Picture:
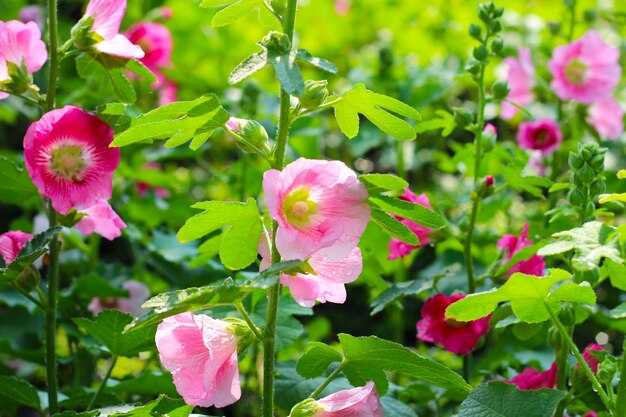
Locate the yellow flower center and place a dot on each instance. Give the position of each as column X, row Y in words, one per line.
column 298, row 207
column 69, row 161
column 576, row 71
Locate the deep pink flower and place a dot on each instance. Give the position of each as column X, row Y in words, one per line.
column 531, row 379
column 143, row 187
column 521, row 79
column 490, row 181
column 456, row 337
column 319, row 206
column 586, row 69
column 606, row 115
column 11, row 243
column 591, row 360
column 201, row 354
column 400, row 249
column 138, row 293
column 108, row 15
column 101, row 219
column 511, row 244
column 156, row 42
column 68, row 157
column 20, row 44
column 356, row 402
column 543, row 135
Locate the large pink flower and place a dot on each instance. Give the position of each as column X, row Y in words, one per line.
column 108, row 15
column 521, row 78
column 68, row 157
column 511, row 244
column 201, row 354
column 400, row 249
column 606, row 115
column 543, row 135
column 591, row 360
column 586, row 69
column 356, row 402
column 11, row 243
column 138, row 293
column 156, row 41
column 457, row 337
column 319, row 206
column 531, row 379
column 101, row 219
column 20, row 44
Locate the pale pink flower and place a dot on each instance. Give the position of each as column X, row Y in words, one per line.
column 511, row 244
column 319, row 206
column 108, row 15
column 68, row 157
column 356, row 402
column 606, row 115
column 11, row 243
column 138, row 293
column 201, row 354
column 586, row 69
column 101, row 219
column 521, row 80
column 400, row 249
column 490, row 129
column 342, row 7
column 143, row 187
column 531, row 379
column 542, row 135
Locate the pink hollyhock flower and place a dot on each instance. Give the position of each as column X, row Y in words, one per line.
column 101, row 219
column 168, row 93
column 107, row 17
column 591, row 360
column 21, row 45
column 512, row 244
column 201, row 354
column 586, row 69
column 531, row 379
column 68, row 157
column 142, row 187
column 400, row 249
column 606, row 115
column 138, row 294
column 320, row 207
column 543, row 135
column 521, row 78
column 11, row 243
column 489, row 128
column 31, row 14
column 156, row 42
column 356, row 402
column 456, row 337
column 167, row 12
column 342, row 7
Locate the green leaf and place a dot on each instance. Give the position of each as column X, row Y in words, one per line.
column 317, row 359
column 305, row 56
column 107, row 328
column 445, row 121
column 377, row 108
column 179, row 122
column 161, row 407
column 498, row 399
column 366, row 359
column 379, row 183
column 287, row 71
column 33, row 249
column 16, row 186
column 237, row 9
column 19, row 391
column 617, row 274
column 531, row 184
column 113, row 69
column 407, row 210
column 137, row 68
column 249, row 66
column 618, row 312
column 527, row 294
column 397, row 291
column 521, row 255
column 242, row 229
column 591, row 243
column 94, row 413
column 148, row 383
column 394, row 227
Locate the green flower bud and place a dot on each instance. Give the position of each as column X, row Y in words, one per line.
column 279, row 6
column 587, row 152
column 483, row 13
column 240, row 329
column 481, row 53
column 497, row 46
column 597, row 163
column 28, row 279
column 495, row 26
column 498, row 12
column 591, row 207
column 586, row 174
column 607, row 370
column 555, row 28
column 315, row 92
column 462, row 116
column 575, row 161
column 555, row 339
column 20, row 79
column 475, row 31
column 597, row 187
column 305, row 408
column 500, row 90
column 577, row 179
column 576, row 197
column 277, row 42
column 472, row 66
column 251, row 133
column 568, row 315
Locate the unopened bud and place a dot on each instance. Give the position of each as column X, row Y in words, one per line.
column 305, row 408
column 475, row 31
column 315, row 92
column 277, row 42
column 490, row 181
column 462, row 116
column 240, row 329
column 252, row 136
column 497, row 46
column 472, row 66
column 28, row 279
column 500, row 90
column 481, row 53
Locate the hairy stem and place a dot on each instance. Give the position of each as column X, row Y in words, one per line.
column 51, row 316
column 53, row 59
column 244, row 314
column 562, row 372
column 103, row 383
column 621, row 387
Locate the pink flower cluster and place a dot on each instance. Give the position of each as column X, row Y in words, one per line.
column 511, row 244
column 400, row 249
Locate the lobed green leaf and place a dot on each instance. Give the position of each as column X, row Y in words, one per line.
column 411, row 211
column 19, row 391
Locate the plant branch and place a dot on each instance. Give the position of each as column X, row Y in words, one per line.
column 53, row 60
column 51, row 315
column 244, row 314
column 328, row 380
column 102, row 384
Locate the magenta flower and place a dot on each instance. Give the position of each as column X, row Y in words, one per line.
column 101, row 219
column 543, row 135
column 531, row 379
column 138, row 293
column 585, row 70
column 11, row 243
column 107, row 17
column 606, row 116
column 156, row 42
column 511, row 244
column 201, row 354
column 400, row 249
column 319, row 206
column 521, row 79
column 21, row 45
column 591, row 360
column 356, row 402
column 68, row 157
column 456, row 337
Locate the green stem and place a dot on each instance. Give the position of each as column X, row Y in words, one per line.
column 51, row 316
column 324, row 106
column 562, row 372
column 328, row 380
column 621, row 387
column 579, row 357
column 103, row 383
column 572, row 22
column 244, row 314
column 53, row 60
column 467, row 248
column 35, row 301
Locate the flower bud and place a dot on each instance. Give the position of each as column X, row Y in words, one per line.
column 576, row 197
column 495, row 26
column 597, row 187
column 555, row 339
column 315, row 92
column 587, row 152
column 277, row 42
column 568, row 315
column 305, row 408
column 500, row 90
column 240, row 329
column 462, row 116
column 483, row 13
column 597, row 163
column 607, row 370
column 475, row 31
column 575, row 161
column 20, row 79
column 28, row 279
column 497, row 46
column 279, row 6
column 586, row 174
column 490, row 181
column 252, row 136
column 481, row 53
column 472, row 66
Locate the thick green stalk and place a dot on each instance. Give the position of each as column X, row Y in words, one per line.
column 621, row 387
column 53, row 59
column 269, row 339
